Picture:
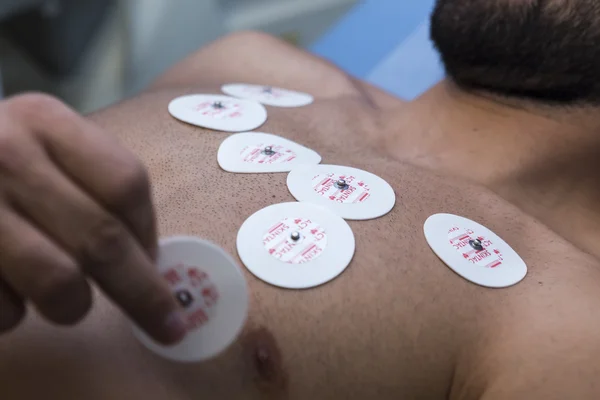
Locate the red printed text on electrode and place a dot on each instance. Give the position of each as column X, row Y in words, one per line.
column 356, row 191
column 488, row 256
column 310, row 245
column 228, row 110
column 257, row 154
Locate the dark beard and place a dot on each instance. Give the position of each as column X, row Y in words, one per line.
column 545, row 50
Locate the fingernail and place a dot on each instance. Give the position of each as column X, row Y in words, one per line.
column 176, row 326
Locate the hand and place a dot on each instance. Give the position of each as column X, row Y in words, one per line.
column 75, row 204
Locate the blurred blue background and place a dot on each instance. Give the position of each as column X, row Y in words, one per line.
column 385, row 42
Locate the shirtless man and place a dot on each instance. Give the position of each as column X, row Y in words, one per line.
column 397, row 324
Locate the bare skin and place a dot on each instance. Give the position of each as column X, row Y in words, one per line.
column 542, row 159
column 545, row 160
column 396, row 324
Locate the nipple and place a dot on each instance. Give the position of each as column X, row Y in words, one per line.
column 265, row 357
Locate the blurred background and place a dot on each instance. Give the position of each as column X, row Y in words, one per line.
column 91, row 53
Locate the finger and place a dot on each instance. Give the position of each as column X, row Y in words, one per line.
column 12, row 308
column 103, row 247
column 40, row 271
column 97, row 163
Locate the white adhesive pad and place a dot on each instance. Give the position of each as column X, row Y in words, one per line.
column 255, row 152
column 474, row 252
column 323, row 249
column 211, row 288
column 271, row 96
column 217, row 112
column 365, row 196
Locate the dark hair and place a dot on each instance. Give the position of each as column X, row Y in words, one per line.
column 545, row 50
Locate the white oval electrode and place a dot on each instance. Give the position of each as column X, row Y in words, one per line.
column 349, row 192
column 268, row 95
column 218, row 112
column 473, row 251
column 295, row 245
column 212, row 291
column 257, row 152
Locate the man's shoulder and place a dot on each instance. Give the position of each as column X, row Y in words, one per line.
column 545, row 344
column 259, row 58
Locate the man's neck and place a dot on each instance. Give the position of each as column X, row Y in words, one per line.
column 544, row 160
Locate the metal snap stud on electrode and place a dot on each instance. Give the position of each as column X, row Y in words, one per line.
column 341, row 184
column 269, row 151
column 476, row 244
column 268, row 89
column 295, row 236
column 184, row 298
column 218, row 105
